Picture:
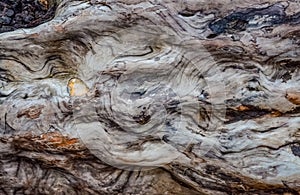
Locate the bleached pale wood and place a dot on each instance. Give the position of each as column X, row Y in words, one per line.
column 219, row 82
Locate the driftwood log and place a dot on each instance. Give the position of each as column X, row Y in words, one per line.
column 153, row 97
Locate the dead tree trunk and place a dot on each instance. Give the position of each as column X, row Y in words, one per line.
column 153, row 97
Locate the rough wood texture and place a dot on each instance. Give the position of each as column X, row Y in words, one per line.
column 153, row 97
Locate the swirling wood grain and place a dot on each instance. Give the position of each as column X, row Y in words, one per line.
column 153, row 97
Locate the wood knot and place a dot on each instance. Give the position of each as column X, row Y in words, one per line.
column 44, row 3
column 76, row 87
column 293, row 97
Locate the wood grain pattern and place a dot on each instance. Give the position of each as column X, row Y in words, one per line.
column 153, row 97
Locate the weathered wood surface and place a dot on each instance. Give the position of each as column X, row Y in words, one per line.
column 153, row 97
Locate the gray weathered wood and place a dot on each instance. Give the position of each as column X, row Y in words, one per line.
column 153, row 97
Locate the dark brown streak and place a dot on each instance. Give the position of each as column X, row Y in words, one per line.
column 124, row 185
column 138, row 55
column 250, row 113
column 261, row 146
column 269, row 129
column 6, row 124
